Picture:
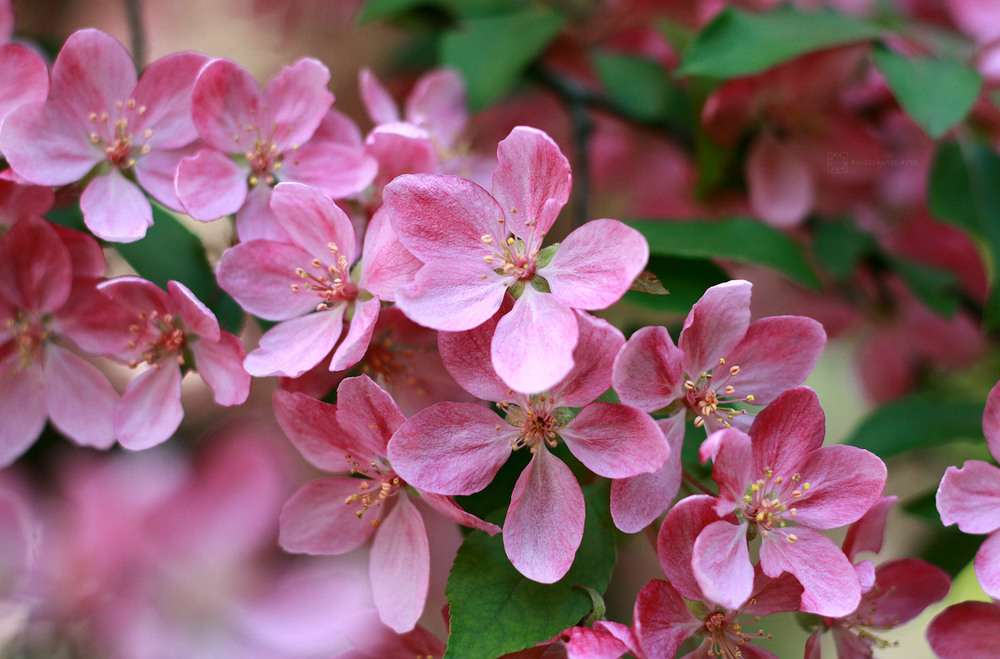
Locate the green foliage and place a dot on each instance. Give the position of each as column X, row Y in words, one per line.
column 640, row 89
column 937, row 94
column 686, row 279
column 917, row 422
column 494, row 609
column 936, row 288
column 963, row 191
column 381, row 10
column 737, row 43
column 737, row 239
column 840, row 245
column 492, row 52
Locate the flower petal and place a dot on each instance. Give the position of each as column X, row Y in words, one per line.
column 715, row 324
column 965, row 631
column 359, row 334
column 295, row 102
column 637, row 501
column 317, row 521
column 593, row 359
column 451, row 297
column 662, row 620
column 259, row 274
column 400, row 566
column 225, row 105
column 22, row 406
column 648, row 371
column 676, row 538
column 970, row 497
column 209, row 185
column 616, row 441
column 80, row 399
column 991, row 421
column 314, row 222
column 844, row 483
column 150, row 410
column 532, row 182
column 294, row 346
column 35, row 267
column 778, row 182
column 721, row 564
column 987, row 565
column 385, row 264
column 220, row 365
column 116, row 209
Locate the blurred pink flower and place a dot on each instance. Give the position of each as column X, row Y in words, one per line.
column 965, row 631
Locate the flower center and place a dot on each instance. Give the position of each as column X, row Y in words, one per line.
column 380, row 483
column 710, row 402
column 161, row 337
column 119, row 142
column 29, row 335
column 512, row 257
column 391, row 364
column 765, row 503
column 725, row 636
column 264, row 156
column 536, row 421
column 333, row 283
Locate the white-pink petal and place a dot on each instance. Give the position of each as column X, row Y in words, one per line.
column 292, row 347
column 314, row 222
column 400, row 566
column 616, row 441
column 532, row 182
column 721, row 563
column 115, row 209
column 359, row 334
column 220, row 365
column 209, row 185
column 316, row 520
column 970, row 497
column 715, row 324
column 150, row 410
column 80, row 399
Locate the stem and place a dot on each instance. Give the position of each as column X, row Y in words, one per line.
column 133, row 13
column 694, row 482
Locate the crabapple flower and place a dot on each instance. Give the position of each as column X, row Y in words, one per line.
column 335, row 515
column 172, row 332
column 965, row 631
column 779, row 474
column 721, row 361
column 457, row 448
column 101, row 126
column 256, row 138
column 50, row 308
column 970, row 497
column 477, row 245
column 313, row 271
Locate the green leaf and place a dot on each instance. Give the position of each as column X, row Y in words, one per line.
column 839, row 245
column 641, row 89
column 687, row 280
column 492, row 52
column 171, row 251
column 737, row 239
column 962, row 191
column 937, row 288
column 494, row 609
column 917, row 422
column 383, row 10
column 737, row 43
column 935, row 93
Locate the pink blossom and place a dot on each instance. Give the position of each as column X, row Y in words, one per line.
column 24, row 78
column 335, row 515
column 19, row 199
column 314, row 271
column 172, row 332
column 457, row 448
column 970, row 497
column 50, row 309
column 722, row 361
column 778, row 475
column 475, row 246
column 256, row 138
column 965, row 631
column 101, row 125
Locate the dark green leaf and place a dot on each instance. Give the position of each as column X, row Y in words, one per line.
column 917, row 422
column 937, row 288
column 382, row 10
column 492, row 52
column 648, row 283
column 688, row 279
column 171, row 251
column 737, row 43
column 937, row 94
column 839, row 245
column 737, row 239
column 495, row 610
column 640, row 88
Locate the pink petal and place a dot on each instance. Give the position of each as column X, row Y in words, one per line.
column 80, row 399
column 294, row 346
column 385, row 264
column 544, row 524
column 451, row 297
column 198, row 319
column 778, row 182
column 676, row 538
column 444, row 217
column 156, row 173
column 648, row 371
column 721, row 564
column 400, row 567
column 467, row 356
column 150, row 411
column 616, row 441
column 313, row 222
column 259, row 274
column 662, row 620
column 24, row 78
column 437, row 103
column 775, row 354
column 401, row 149
column 312, row 427
column 845, row 481
column 637, row 501
column 904, row 588
column 22, row 406
column 586, row 643
column 715, row 324
column 317, row 521
column 210, row 185
column 987, row 565
column 92, row 72
column 138, row 295
column 991, row 421
column 339, row 170
column 359, row 334
column 45, row 146
column 165, row 90
column 532, row 349
column 225, row 105
column 478, row 444
column 732, row 464
column 367, row 414
column 866, row 534
column 256, row 221
column 35, row 267
column 379, row 104
column 220, row 365
column 830, row 586
column 532, row 182
column 970, row 497
column 788, row 431
column 965, row 631
column 295, row 102
column 596, row 264
column 447, row 507
column 593, row 358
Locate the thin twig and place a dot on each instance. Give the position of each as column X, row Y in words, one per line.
column 691, row 480
column 133, row 13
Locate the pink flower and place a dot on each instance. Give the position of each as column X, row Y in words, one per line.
column 335, row 515
column 970, row 497
column 776, row 476
column 50, row 309
column 172, row 332
column 457, row 448
column 966, row 631
column 720, row 362
column 19, row 199
column 257, row 138
column 99, row 124
column 476, row 246
column 313, row 270
column 24, row 78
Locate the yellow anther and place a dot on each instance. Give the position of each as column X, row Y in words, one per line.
column 734, row 370
column 805, row 486
column 792, row 537
column 749, row 398
column 510, row 241
column 486, row 238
